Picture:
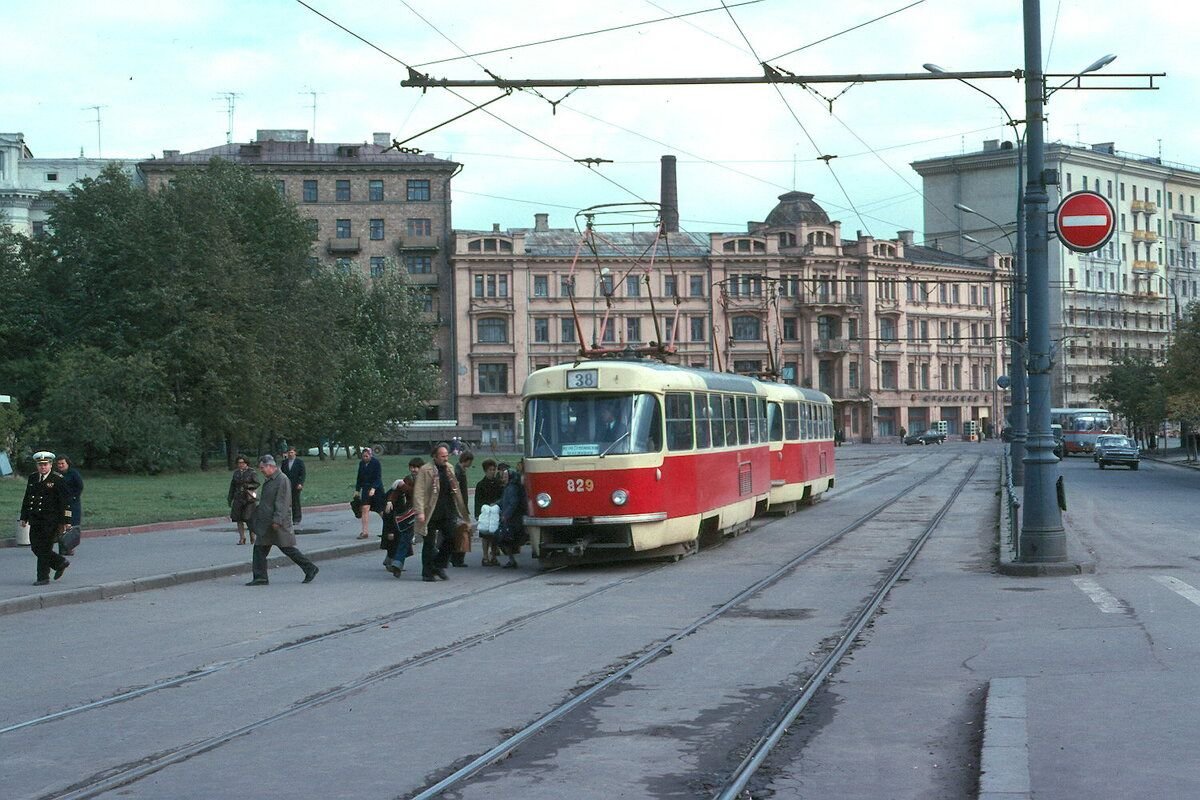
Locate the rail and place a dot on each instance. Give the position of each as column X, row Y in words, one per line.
column 1010, row 502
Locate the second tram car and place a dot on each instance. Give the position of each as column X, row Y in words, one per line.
column 638, row 458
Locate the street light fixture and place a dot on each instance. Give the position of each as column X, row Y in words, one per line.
column 1018, row 414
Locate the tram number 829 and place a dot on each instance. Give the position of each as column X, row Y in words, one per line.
column 580, row 485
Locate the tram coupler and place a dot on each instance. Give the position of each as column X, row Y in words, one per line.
column 580, row 546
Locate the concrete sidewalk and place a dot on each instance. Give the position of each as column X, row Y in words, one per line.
column 107, row 564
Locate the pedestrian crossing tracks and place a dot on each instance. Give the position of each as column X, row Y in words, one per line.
column 1109, row 603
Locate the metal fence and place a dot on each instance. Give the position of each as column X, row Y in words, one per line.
column 1010, row 502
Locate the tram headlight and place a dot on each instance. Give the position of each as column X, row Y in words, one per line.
column 620, row 497
column 542, row 500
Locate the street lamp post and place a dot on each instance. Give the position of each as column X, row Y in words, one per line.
column 1019, row 414
column 1043, row 538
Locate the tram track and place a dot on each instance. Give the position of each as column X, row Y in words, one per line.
column 117, row 776
column 650, row 654
column 202, row 672
column 758, row 754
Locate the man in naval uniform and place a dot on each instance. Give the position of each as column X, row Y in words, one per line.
column 46, row 509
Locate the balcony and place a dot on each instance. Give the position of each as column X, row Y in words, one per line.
column 837, row 346
column 1145, row 266
column 411, row 244
column 830, row 299
column 1145, row 206
column 1146, row 295
column 1145, row 236
column 343, row 247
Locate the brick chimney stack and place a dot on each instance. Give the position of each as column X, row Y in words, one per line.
column 669, row 196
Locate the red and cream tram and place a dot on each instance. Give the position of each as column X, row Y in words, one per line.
column 638, row 458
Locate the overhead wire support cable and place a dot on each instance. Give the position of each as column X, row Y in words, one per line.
column 420, row 80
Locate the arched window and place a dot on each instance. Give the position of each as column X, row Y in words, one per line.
column 746, row 329
column 787, row 239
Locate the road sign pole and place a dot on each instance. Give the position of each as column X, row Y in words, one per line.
column 1042, row 536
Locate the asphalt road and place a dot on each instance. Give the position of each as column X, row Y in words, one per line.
column 360, row 685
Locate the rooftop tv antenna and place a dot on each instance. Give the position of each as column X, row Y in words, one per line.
column 230, row 101
column 99, row 149
column 312, row 93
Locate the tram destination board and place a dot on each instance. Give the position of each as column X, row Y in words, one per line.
column 583, row 378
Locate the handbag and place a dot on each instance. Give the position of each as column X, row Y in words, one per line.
column 462, row 537
column 356, row 506
column 69, row 539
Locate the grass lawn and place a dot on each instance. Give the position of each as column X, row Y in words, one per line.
column 114, row 500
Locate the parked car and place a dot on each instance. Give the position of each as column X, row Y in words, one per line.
column 1060, row 447
column 1112, row 448
column 928, row 437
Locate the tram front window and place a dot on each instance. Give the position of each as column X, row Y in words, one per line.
column 592, row 425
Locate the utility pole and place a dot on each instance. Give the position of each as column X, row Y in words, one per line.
column 1042, row 536
column 230, row 99
column 99, row 149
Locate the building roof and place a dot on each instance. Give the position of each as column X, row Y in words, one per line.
column 563, row 242
column 276, row 152
column 794, row 208
column 919, row 254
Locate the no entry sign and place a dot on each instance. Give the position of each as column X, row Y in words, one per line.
column 1084, row 221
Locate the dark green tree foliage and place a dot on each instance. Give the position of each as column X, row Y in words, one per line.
column 147, row 329
column 1133, row 390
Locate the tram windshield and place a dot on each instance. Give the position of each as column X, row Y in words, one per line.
column 592, row 425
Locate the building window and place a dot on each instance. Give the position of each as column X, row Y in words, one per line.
column 491, row 285
column 493, row 330
column 310, row 191
column 670, row 286
column 887, row 329
column 377, row 266
column 52, row 177
column 697, row 325
column 633, row 329
column 376, row 229
column 493, row 379
column 375, row 191
column 566, row 286
column 541, row 330
column 418, row 190
column 633, row 286
column 342, row 194
column 747, row 367
column 889, row 374
column 853, row 376
column 39, row 229
column 606, row 285
column 343, row 265
column 567, row 332
column 791, row 329
column 418, row 265
column 696, row 286
column 746, row 329
column 343, row 229
column 281, row 188
column 541, row 286
column 419, row 226
column 424, row 297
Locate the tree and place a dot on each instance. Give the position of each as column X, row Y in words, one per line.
column 1181, row 377
column 1133, row 389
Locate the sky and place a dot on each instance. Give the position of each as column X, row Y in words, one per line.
column 161, row 71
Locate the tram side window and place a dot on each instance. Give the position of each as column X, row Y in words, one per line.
column 810, row 424
column 791, row 421
column 716, row 412
column 743, row 421
column 827, row 412
column 679, row 422
column 762, row 419
column 703, row 436
column 775, row 422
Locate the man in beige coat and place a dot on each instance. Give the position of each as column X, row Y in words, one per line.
column 272, row 523
column 440, row 506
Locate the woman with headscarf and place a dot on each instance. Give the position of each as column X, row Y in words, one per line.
column 512, row 516
column 242, row 497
